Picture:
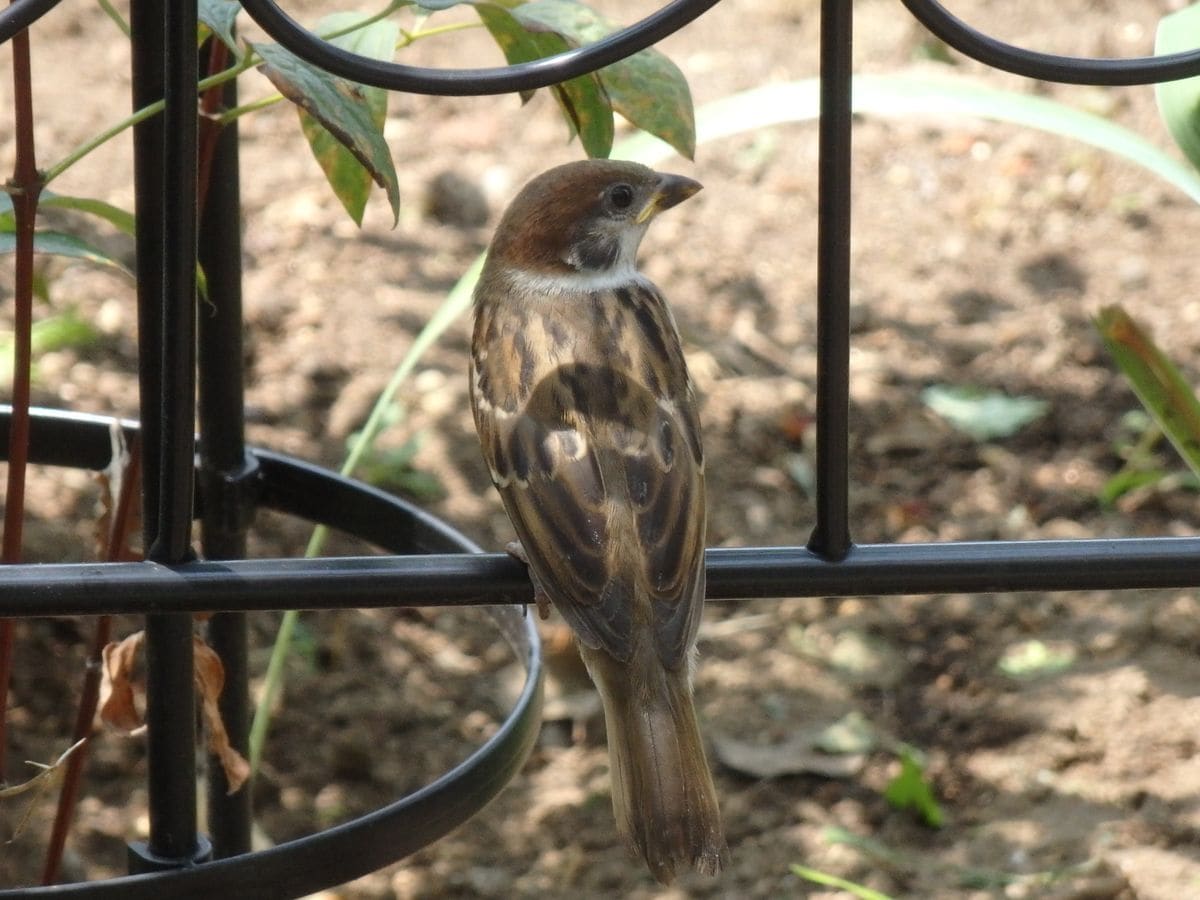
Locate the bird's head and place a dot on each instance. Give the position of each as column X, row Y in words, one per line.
column 585, row 218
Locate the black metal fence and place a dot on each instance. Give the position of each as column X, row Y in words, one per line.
column 217, row 479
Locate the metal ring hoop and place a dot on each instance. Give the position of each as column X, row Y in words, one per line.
column 354, row 848
column 1048, row 66
column 474, row 82
column 18, row 16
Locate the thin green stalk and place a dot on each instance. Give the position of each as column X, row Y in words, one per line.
column 363, row 23
column 116, row 17
column 253, row 106
column 141, row 115
column 249, row 61
column 452, row 307
column 824, row 878
column 411, row 37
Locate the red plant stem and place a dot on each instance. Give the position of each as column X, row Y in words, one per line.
column 25, row 187
column 209, row 127
column 120, row 527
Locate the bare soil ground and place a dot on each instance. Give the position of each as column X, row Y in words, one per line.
column 980, row 253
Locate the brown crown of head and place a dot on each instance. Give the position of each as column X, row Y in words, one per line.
column 571, row 217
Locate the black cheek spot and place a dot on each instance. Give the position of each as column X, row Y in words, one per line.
column 596, row 252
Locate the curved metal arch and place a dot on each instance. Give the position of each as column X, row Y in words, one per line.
column 1048, row 66
column 18, row 16
column 379, row 838
column 347, row 851
column 474, row 82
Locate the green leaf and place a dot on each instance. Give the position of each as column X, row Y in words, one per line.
column 218, row 17
column 816, row 876
column 646, row 88
column 114, row 215
column 582, row 100
column 984, row 415
column 56, row 243
column 349, row 180
column 1035, row 659
column 909, row 96
column 1164, row 392
column 1179, row 101
column 343, row 110
column 58, row 332
column 517, row 44
column 1128, row 480
column 910, row 790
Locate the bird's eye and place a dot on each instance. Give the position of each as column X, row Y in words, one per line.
column 620, row 196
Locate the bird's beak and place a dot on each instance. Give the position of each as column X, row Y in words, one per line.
column 670, row 191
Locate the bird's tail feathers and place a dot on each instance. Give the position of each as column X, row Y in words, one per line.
column 663, row 794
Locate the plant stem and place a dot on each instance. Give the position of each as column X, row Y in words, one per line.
column 120, row 525
column 152, row 109
column 410, row 37
column 116, row 17
column 249, row 61
column 254, row 105
column 363, row 23
column 25, row 188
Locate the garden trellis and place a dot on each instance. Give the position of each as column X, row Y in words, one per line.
column 215, row 478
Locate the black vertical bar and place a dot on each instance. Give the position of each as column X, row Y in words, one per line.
column 831, row 536
column 165, row 66
column 225, row 468
column 145, row 22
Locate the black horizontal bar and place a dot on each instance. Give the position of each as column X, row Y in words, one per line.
column 1048, row 66
column 467, row 82
column 473, row 579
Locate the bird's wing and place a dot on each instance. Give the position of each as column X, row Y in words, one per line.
column 601, row 472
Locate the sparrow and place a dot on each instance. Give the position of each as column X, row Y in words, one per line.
column 587, row 420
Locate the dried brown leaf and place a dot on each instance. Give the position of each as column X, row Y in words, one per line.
column 210, row 681
column 118, row 689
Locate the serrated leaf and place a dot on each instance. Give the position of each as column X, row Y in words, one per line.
column 1160, row 386
column 646, row 88
column 56, row 243
column 343, row 110
column 218, row 17
column 1179, row 101
column 984, row 415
